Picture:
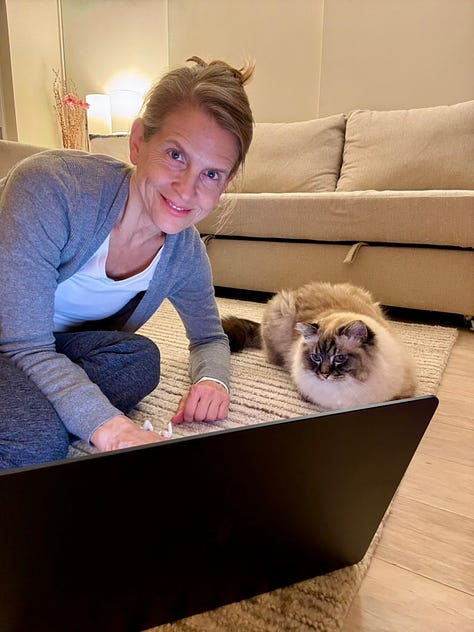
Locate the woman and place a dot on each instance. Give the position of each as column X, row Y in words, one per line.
column 90, row 247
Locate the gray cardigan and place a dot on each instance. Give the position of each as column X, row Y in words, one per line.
column 56, row 208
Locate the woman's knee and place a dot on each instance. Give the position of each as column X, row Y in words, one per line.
column 147, row 362
column 124, row 365
column 41, row 440
column 30, row 429
column 32, row 449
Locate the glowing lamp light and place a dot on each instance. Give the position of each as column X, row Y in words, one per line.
column 99, row 120
column 124, row 107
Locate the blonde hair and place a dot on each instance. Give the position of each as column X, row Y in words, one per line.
column 215, row 87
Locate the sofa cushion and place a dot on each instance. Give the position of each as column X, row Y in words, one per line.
column 437, row 218
column 294, row 157
column 417, row 149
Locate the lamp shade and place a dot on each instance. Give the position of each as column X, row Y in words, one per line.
column 124, row 106
column 99, row 121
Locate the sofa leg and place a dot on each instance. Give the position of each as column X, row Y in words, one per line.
column 469, row 322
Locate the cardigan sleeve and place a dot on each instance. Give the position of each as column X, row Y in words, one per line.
column 36, row 202
column 184, row 277
column 195, row 302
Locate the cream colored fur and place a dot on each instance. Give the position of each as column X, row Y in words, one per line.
column 390, row 372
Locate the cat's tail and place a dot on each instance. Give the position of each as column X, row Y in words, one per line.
column 242, row 333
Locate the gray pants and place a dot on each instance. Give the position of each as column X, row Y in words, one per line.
column 125, row 366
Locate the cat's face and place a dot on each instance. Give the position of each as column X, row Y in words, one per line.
column 337, row 354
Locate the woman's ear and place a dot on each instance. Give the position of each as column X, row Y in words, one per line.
column 136, row 139
column 236, row 177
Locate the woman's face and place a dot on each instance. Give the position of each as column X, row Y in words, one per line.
column 182, row 170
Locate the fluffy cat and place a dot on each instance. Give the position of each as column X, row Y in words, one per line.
column 336, row 343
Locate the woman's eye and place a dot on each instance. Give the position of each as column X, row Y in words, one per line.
column 315, row 357
column 175, row 154
column 340, row 358
column 213, row 175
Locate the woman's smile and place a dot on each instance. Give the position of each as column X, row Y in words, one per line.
column 174, row 207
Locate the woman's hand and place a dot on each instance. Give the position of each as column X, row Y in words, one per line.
column 205, row 401
column 120, row 432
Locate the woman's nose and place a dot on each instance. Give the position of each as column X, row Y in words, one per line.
column 185, row 185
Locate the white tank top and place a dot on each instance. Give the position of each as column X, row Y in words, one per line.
column 91, row 295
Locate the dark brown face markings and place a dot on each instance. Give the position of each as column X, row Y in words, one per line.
column 330, row 359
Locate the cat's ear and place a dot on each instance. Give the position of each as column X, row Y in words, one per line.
column 357, row 330
column 308, row 330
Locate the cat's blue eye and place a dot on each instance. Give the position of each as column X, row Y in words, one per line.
column 316, row 358
column 340, row 358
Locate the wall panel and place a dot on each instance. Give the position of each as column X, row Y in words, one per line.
column 283, row 38
column 396, row 54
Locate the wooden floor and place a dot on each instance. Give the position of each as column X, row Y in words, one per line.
column 421, row 578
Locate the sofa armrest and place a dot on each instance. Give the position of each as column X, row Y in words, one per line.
column 12, row 152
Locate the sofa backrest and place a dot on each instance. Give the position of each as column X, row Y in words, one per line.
column 294, row 157
column 12, row 152
column 413, row 149
column 283, row 157
column 115, row 145
column 416, row 149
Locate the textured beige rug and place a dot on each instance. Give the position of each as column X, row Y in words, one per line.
column 261, row 392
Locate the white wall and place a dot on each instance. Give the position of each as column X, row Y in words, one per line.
column 283, row 37
column 391, row 54
column 34, row 52
column 313, row 57
column 115, row 44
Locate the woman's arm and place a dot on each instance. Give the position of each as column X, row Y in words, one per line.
column 208, row 399
column 36, row 203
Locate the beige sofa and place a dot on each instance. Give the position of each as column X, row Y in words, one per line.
column 384, row 199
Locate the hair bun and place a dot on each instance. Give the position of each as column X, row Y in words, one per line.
column 242, row 75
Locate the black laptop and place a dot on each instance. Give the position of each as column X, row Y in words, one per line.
column 128, row 540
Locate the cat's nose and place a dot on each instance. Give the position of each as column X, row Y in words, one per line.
column 325, row 370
